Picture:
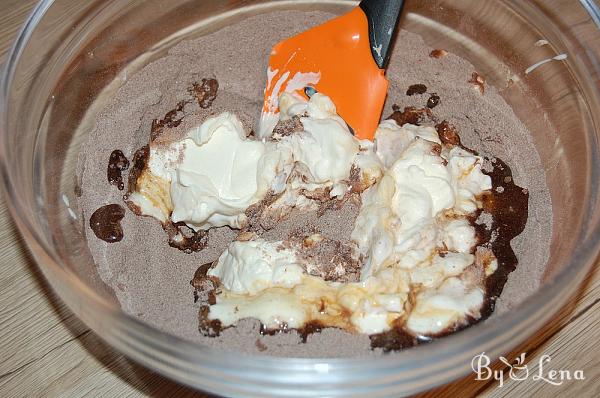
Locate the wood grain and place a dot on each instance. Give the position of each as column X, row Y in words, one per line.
column 47, row 352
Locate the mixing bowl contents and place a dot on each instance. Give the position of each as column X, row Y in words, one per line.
column 307, row 241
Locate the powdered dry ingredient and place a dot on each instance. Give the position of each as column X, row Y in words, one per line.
column 151, row 279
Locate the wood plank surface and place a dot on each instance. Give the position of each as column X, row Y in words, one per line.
column 47, row 352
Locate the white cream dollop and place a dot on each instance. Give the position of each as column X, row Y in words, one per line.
column 442, row 307
column 458, row 235
column 211, row 176
column 392, row 140
column 401, row 219
column 252, row 266
column 265, row 281
column 468, row 178
column 218, row 176
column 325, row 150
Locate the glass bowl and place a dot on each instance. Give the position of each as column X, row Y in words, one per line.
column 69, row 58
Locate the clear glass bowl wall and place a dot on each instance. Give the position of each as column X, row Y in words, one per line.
column 70, row 57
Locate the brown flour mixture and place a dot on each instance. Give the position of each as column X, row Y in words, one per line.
column 151, row 279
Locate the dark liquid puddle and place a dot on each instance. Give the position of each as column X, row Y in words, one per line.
column 106, row 223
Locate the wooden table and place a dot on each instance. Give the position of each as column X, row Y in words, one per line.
column 46, row 351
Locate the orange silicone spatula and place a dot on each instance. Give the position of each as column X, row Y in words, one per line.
column 345, row 59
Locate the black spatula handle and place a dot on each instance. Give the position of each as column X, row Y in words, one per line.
column 383, row 16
